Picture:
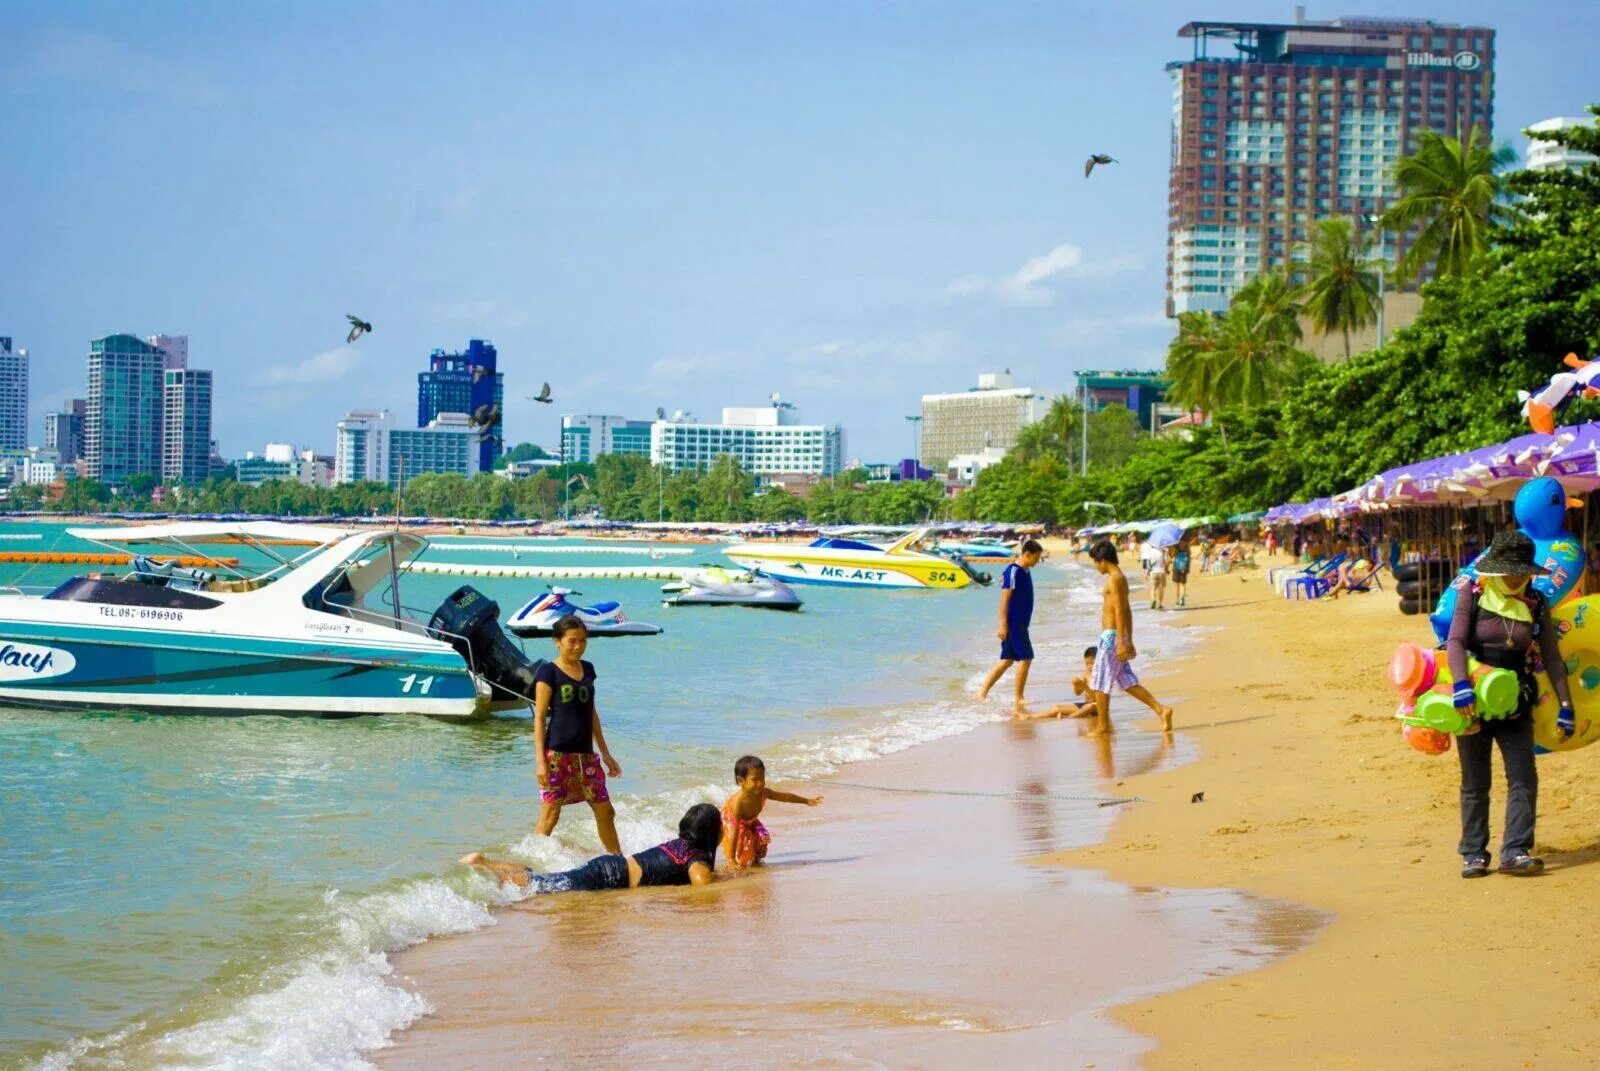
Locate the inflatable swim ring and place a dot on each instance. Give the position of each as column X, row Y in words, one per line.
column 1541, row 511
column 1578, row 628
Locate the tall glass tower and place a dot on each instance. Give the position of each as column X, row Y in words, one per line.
column 465, row 383
column 122, row 417
column 13, row 396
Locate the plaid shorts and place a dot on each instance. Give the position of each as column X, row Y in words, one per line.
column 1109, row 670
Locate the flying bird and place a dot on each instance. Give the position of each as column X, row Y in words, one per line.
column 485, row 416
column 1097, row 158
column 542, row 396
column 478, row 372
column 358, row 327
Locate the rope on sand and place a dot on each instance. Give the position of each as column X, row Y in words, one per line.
column 1098, row 801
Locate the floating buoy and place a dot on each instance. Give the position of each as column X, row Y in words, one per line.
column 549, row 572
column 542, row 548
column 62, row 557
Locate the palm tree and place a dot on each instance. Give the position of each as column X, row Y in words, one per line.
column 1034, row 442
column 1453, row 189
column 1063, row 422
column 1253, row 359
column 1276, row 302
column 1193, row 362
column 1342, row 291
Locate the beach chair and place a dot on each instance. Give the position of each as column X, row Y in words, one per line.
column 1371, row 580
column 1293, row 585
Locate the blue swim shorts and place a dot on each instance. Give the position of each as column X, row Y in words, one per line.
column 1016, row 647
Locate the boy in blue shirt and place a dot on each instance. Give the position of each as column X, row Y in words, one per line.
column 1016, row 614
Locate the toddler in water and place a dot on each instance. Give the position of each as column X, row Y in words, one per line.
column 744, row 838
column 1080, row 686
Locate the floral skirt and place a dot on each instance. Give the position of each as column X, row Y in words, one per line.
column 747, row 839
column 575, row 777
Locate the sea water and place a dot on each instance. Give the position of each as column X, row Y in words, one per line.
column 223, row 892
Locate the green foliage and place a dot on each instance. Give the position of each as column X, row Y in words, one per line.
column 1341, row 293
column 521, row 452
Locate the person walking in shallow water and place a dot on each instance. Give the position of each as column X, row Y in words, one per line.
column 1016, row 615
column 1116, row 648
column 568, row 742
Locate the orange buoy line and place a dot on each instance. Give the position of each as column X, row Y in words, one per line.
column 45, row 557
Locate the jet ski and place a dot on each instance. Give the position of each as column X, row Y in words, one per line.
column 538, row 618
column 717, row 586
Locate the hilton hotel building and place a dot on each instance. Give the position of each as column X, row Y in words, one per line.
column 1277, row 126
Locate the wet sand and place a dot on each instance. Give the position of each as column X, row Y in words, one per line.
column 893, row 929
column 1312, row 798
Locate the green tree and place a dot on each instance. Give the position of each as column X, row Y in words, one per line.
column 1341, row 292
column 1114, row 434
column 1452, row 190
column 1194, row 362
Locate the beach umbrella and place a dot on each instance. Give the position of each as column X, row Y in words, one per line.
column 1165, row 534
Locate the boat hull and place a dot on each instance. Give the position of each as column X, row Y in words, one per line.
column 804, row 565
column 126, row 670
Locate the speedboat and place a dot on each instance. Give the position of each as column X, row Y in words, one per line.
column 317, row 627
column 833, row 559
column 538, row 618
column 979, row 551
column 717, row 586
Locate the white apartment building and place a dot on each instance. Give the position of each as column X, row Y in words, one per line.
column 768, row 441
column 176, row 348
column 586, row 436
column 1548, row 156
column 987, row 417
column 13, row 396
column 370, row 446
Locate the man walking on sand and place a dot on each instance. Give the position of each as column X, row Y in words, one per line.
column 1116, row 648
column 1016, row 614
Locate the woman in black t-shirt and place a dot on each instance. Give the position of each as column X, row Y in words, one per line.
column 567, row 736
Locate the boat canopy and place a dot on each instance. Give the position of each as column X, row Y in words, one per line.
column 305, row 535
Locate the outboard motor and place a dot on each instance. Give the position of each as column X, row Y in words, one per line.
column 980, row 578
column 469, row 621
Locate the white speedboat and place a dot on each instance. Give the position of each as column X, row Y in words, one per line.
column 717, row 586
column 319, row 628
column 853, row 562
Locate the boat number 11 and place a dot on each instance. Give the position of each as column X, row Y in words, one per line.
column 410, row 680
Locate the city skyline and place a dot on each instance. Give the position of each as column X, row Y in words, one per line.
column 851, row 207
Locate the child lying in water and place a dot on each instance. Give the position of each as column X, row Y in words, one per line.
column 1080, row 686
column 688, row 860
column 744, row 838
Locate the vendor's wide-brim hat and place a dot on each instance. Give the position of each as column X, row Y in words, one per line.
column 1511, row 554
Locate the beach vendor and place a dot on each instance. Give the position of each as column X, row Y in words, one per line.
column 744, row 839
column 689, row 859
column 567, row 739
column 1503, row 623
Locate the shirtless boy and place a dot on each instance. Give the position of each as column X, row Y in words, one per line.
column 1116, row 648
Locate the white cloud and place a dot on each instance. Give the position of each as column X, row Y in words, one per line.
column 1033, row 284
column 324, row 367
column 106, row 63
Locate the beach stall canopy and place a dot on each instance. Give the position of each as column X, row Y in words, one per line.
column 1570, row 454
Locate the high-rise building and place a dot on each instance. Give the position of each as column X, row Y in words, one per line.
column 585, row 437
column 1548, row 156
column 1143, row 392
column 13, row 396
column 970, row 421
column 368, row 446
column 1275, row 127
column 467, row 383
column 768, row 441
column 186, row 426
column 63, row 431
column 176, row 349
column 122, row 414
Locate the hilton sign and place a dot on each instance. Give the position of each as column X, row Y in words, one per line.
column 1461, row 61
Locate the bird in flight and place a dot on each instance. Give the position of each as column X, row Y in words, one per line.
column 1097, row 158
column 543, row 395
column 485, row 416
column 358, row 327
column 478, row 372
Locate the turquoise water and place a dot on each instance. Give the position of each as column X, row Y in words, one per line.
column 215, row 892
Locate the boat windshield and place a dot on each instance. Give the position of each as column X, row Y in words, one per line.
column 367, row 585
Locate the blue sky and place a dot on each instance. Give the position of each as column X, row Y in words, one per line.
column 688, row 205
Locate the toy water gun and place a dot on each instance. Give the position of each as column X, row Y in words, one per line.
column 1427, row 692
column 1541, row 408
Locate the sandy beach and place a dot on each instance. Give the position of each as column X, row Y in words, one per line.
column 1312, row 798
column 907, row 930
